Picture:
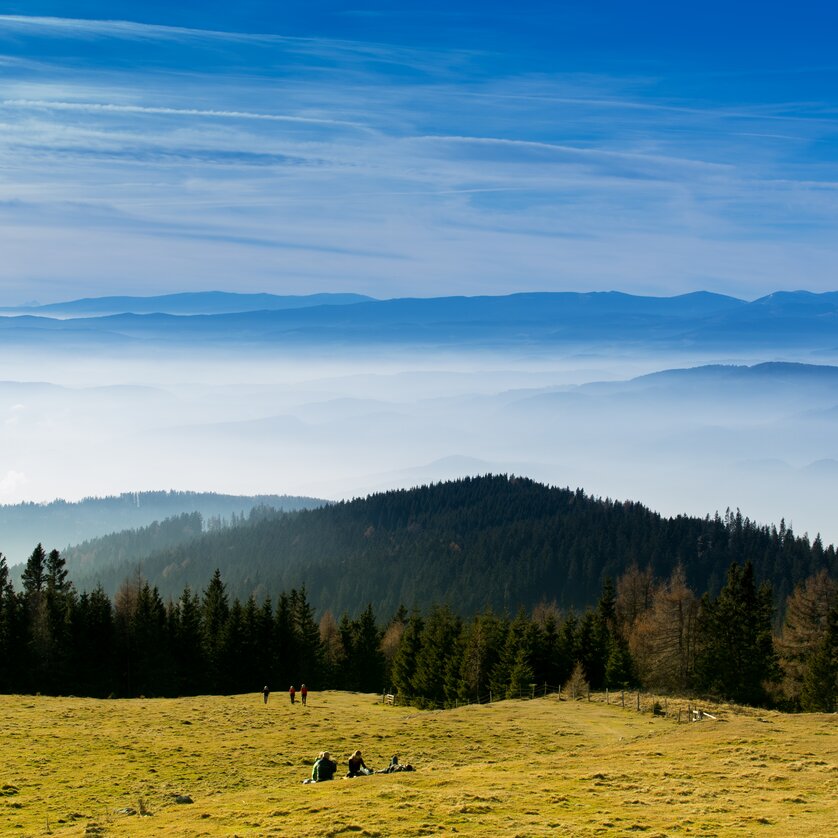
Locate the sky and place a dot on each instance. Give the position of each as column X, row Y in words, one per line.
column 417, row 149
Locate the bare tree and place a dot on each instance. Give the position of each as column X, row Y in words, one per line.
column 662, row 642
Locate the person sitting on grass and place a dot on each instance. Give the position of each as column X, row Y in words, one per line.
column 357, row 768
column 324, row 768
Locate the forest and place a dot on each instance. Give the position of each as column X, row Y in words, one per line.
column 644, row 631
column 499, row 542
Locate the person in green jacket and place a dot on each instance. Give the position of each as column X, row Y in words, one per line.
column 324, row 768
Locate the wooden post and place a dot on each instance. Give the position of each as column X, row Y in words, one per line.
column 490, row 696
column 606, row 696
column 623, row 698
column 589, row 692
column 638, row 701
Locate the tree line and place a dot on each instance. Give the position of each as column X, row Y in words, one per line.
column 644, row 631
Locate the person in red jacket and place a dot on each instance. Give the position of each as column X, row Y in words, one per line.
column 291, row 693
column 303, row 694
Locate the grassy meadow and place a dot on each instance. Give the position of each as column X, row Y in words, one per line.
column 75, row 766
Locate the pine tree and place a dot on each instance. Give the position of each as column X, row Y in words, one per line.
column 94, row 663
column 215, row 611
column 440, row 638
column 483, row 641
column 33, row 574
column 404, row 662
column 736, row 655
column 187, row 644
column 10, row 626
column 367, row 657
column 308, row 645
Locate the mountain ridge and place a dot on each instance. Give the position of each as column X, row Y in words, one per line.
column 548, row 319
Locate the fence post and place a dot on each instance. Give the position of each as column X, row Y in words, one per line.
column 623, row 697
column 606, row 696
column 589, row 692
column 638, row 701
column 545, row 688
column 490, row 696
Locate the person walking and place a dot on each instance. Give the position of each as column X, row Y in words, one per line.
column 265, row 693
column 292, row 693
column 303, row 694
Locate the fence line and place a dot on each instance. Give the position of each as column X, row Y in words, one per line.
column 684, row 709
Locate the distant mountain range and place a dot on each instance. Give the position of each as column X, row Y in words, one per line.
column 203, row 302
column 698, row 320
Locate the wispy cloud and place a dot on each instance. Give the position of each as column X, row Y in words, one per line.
column 321, row 163
column 98, row 107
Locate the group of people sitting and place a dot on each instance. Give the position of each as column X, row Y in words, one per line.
column 325, row 767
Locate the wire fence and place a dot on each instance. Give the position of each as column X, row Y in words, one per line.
column 681, row 709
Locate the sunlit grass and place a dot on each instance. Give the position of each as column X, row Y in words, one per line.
column 81, row 766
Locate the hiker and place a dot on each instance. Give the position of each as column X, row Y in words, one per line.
column 291, row 693
column 303, row 694
column 265, row 693
column 357, row 768
column 324, row 768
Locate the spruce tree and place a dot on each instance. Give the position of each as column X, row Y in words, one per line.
column 9, row 631
column 403, row 669
column 307, row 641
column 367, row 657
column 33, row 574
column 736, row 654
column 215, row 610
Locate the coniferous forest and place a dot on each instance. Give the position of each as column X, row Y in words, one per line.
column 494, row 542
column 642, row 628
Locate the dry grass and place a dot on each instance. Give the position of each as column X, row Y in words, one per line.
column 85, row 767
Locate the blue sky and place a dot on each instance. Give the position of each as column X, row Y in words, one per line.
column 417, row 149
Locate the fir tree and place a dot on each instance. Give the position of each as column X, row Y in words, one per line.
column 403, row 669
column 736, row 655
column 215, row 610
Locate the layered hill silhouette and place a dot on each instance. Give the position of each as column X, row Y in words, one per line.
column 61, row 523
column 493, row 541
column 784, row 320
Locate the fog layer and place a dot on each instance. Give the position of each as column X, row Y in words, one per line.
column 337, row 424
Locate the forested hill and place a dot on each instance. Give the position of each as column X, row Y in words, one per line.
column 492, row 541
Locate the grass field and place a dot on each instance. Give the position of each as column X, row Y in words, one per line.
column 514, row 768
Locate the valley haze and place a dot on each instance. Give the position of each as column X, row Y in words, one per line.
column 689, row 404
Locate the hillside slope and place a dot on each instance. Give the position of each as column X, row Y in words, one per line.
column 496, row 541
